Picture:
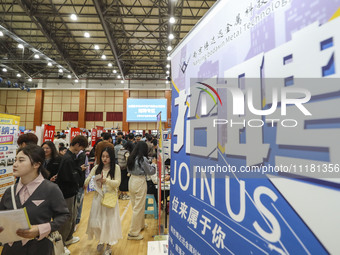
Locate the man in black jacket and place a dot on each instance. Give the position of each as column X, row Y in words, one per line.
column 68, row 180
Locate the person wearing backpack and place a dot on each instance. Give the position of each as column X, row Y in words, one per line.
column 123, row 155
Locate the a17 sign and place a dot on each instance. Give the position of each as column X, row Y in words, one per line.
column 48, row 133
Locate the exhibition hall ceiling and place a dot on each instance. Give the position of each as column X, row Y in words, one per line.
column 104, row 39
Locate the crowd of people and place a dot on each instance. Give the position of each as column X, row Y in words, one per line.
column 50, row 183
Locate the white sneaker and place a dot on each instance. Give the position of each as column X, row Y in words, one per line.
column 66, row 251
column 138, row 237
column 75, row 239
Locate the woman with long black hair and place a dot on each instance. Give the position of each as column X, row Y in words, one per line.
column 52, row 159
column 138, row 166
column 104, row 223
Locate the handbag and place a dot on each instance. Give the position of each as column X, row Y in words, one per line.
column 57, row 241
column 55, row 237
column 109, row 198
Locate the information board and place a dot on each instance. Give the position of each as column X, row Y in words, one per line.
column 256, row 131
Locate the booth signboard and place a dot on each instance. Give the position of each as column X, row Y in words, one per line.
column 255, row 130
column 93, row 136
column 9, row 131
column 100, row 130
column 9, row 128
column 74, row 132
column 48, row 133
column 7, row 158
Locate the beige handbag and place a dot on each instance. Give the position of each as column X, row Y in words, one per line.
column 110, row 199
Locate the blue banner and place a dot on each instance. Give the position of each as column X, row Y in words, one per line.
column 256, row 130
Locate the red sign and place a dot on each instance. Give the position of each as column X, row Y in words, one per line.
column 48, row 133
column 75, row 132
column 93, row 136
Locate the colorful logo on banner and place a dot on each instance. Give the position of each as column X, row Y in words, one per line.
column 241, row 184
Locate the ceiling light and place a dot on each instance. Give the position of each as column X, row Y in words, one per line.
column 60, row 70
column 36, row 56
column 119, row 76
column 169, row 48
column 87, row 35
column 172, row 20
column 109, row 64
column 171, row 36
column 1, row 33
column 49, row 64
column 4, row 70
column 114, row 71
column 168, row 58
column 96, row 47
column 69, row 76
column 73, row 17
column 167, row 66
column 30, row 79
column 167, row 72
column 167, row 82
column 20, row 46
column 76, row 81
column 19, row 75
column 121, row 81
column 103, row 57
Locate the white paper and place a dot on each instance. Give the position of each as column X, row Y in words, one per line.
column 11, row 221
column 157, row 247
column 97, row 184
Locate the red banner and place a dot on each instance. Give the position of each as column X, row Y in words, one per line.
column 74, row 132
column 48, row 133
column 93, row 136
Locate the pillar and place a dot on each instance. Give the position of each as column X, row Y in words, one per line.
column 82, row 108
column 38, row 109
column 126, row 95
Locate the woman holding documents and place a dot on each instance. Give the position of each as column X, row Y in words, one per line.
column 104, row 220
column 43, row 201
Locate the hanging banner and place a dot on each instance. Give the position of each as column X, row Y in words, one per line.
column 74, row 132
column 49, row 132
column 255, row 130
column 9, row 128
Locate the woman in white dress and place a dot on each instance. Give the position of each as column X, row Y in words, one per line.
column 104, row 223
